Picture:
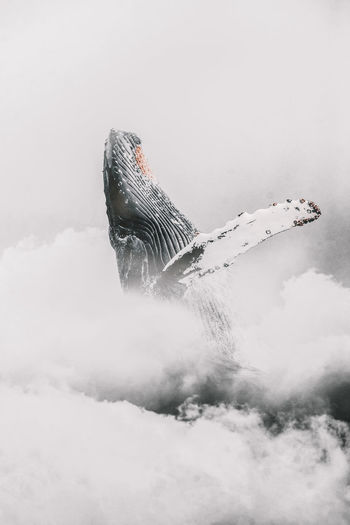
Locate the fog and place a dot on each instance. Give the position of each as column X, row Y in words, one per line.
column 87, row 376
column 117, row 409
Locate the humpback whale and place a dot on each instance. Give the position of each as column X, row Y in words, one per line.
column 160, row 251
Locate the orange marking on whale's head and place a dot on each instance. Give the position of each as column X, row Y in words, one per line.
column 142, row 162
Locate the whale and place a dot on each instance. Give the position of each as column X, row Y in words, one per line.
column 161, row 252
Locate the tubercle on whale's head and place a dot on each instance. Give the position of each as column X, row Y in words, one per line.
column 124, row 148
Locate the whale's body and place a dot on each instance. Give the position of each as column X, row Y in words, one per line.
column 160, row 251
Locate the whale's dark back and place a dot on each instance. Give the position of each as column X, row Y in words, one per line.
column 146, row 229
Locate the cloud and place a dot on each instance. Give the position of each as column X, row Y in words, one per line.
column 71, row 460
column 87, row 376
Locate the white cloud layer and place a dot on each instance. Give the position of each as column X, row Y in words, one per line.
column 79, row 361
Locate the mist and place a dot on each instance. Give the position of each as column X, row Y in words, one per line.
column 115, row 409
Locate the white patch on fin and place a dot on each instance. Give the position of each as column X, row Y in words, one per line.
column 239, row 235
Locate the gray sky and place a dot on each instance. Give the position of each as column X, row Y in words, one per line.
column 238, row 103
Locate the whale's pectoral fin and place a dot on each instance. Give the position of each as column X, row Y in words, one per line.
column 209, row 252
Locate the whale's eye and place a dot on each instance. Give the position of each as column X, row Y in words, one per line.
column 142, row 162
